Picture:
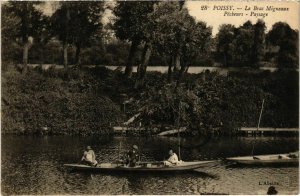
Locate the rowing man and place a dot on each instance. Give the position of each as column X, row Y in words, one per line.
column 132, row 156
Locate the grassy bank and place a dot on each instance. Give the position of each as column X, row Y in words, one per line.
column 90, row 101
column 56, row 102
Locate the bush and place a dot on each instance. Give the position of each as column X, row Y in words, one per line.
column 34, row 101
column 210, row 101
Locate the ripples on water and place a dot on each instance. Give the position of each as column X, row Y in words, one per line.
column 33, row 165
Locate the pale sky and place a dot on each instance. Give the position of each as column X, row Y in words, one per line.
column 216, row 17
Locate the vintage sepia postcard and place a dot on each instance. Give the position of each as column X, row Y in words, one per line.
column 150, row 97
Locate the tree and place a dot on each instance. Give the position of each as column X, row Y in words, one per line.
column 30, row 24
column 85, row 24
column 60, row 26
column 258, row 50
column 198, row 40
column 8, row 35
column 225, row 38
column 243, row 44
column 149, row 37
column 130, row 25
column 286, row 38
column 142, row 67
column 77, row 23
column 178, row 36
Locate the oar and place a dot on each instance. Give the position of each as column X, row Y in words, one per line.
column 178, row 130
column 261, row 110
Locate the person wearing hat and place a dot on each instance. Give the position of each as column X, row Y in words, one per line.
column 89, row 157
column 132, row 156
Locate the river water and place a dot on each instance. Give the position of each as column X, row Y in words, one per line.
column 34, row 165
column 164, row 69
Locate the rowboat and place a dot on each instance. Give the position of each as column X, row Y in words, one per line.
column 291, row 158
column 141, row 167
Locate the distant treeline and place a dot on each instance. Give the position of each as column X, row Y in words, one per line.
column 141, row 33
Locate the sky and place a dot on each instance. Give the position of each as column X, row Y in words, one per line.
column 214, row 17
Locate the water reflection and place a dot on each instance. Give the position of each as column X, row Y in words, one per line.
column 33, row 165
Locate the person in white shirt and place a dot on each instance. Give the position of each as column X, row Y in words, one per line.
column 173, row 159
column 89, row 157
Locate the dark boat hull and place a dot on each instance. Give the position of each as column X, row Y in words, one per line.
column 273, row 159
column 111, row 167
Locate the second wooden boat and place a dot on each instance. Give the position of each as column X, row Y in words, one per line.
column 291, row 158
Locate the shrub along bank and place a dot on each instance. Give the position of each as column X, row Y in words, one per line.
column 209, row 101
column 55, row 102
column 91, row 101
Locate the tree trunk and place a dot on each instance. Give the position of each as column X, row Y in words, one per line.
column 24, row 32
column 77, row 55
column 225, row 59
column 42, row 54
column 142, row 68
column 182, row 70
column 187, row 69
column 65, row 53
column 170, row 72
column 130, row 60
column 25, row 57
column 177, row 66
column 26, row 48
column 177, row 62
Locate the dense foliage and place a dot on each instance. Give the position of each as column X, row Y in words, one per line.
column 132, row 24
column 178, row 36
column 56, row 102
column 244, row 45
column 286, row 38
column 209, row 101
column 77, row 23
column 248, row 44
column 91, row 101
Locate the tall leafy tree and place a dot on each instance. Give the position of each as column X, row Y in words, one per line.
column 177, row 35
column 258, row 50
column 76, row 23
column 198, row 41
column 60, row 26
column 225, row 38
column 8, row 34
column 85, row 24
column 148, row 46
column 30, row 22
column 286, row 38
column 243, row 44
column 130, row 25
column 169, row 32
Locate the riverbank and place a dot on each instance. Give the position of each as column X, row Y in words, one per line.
column 56, row 102
column 92, row 101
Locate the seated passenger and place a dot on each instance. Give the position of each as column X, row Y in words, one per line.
column 89, row 157
column 132, row 156
column 173, row 159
